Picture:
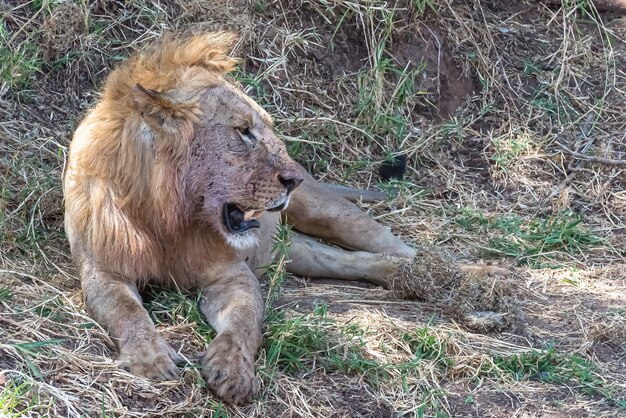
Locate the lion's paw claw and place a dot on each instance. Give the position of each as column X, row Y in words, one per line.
column 229, row 371
column 152, row 358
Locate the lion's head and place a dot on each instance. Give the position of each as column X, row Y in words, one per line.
column 233, row 167
column 172, row 143
column 239, row 168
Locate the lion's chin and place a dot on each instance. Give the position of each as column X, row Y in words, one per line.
column 242, row 241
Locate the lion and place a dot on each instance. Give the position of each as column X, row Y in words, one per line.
column 177, row 178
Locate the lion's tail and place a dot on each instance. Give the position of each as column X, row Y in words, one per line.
column 354, row 195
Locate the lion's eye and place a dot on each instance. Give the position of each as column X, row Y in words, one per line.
column 248, row 137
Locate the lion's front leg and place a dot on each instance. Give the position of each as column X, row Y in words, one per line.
column 233, row 305
column 116, row 305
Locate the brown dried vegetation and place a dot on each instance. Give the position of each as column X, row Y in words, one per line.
column 512, row 115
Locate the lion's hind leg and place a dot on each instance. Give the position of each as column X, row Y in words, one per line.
column 311, row 258
column 318, row 211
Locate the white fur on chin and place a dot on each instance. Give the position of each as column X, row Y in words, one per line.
column 243, row 241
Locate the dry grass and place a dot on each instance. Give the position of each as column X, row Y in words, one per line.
column 526, row 175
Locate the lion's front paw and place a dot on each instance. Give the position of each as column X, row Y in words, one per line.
column 228, row 369
column 151, row 357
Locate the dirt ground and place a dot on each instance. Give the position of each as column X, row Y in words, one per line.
column 512, row 116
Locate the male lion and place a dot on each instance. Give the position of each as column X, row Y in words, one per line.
column 166, row 182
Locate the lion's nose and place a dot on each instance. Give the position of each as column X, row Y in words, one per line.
column 290, row 181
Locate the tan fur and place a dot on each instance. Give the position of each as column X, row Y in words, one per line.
column 150, row 172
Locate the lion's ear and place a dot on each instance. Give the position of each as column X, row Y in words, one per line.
column 152, row 105
column 160, row 113
column 143, row 95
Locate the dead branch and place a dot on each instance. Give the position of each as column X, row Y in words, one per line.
column 594, row 160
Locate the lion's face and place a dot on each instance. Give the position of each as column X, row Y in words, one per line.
column 239, row 168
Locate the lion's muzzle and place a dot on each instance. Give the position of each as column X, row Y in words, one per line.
column 290, row 180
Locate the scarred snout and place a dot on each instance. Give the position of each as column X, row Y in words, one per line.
column 241, row 217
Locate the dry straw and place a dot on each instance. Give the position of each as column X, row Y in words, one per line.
column 525, row 179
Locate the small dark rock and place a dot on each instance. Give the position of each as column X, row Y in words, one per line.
column 393, row 168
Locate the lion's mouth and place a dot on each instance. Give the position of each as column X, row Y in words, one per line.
column 237, row 220
column 278, row 208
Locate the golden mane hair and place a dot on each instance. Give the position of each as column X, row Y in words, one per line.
column 123, row 188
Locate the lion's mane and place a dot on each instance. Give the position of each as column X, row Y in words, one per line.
column 123, row 188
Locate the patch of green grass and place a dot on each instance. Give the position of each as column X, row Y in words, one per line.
column 5, row 294
column 14, row 399
column 296, row 149
column 422, row 5
column 406, row 86
column 170, row 307
column 28, row 351
column 29, row 194
column 259, row 7
column 585, row 9
column 540, row 237
column 253, row 86
column 470, row 219
column 534, row 242
column 354, row 166
column 507, row 151
column 18, row 63
column 292, row 342
column 556, row 105
column 454, row 127
column 386, row 92
column 531, row 68
column 426, row 345
column 548, row 365
column 379, row 112
column 297, row 344
column 276, row 271
column 395, row 187
column 315, row 140
column 218, row 408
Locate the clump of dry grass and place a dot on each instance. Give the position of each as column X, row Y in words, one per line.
column 431, row 277
column 471, row 294
column 486, row 303
column 609, row 327
column 349, row 84
column 62, row 29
